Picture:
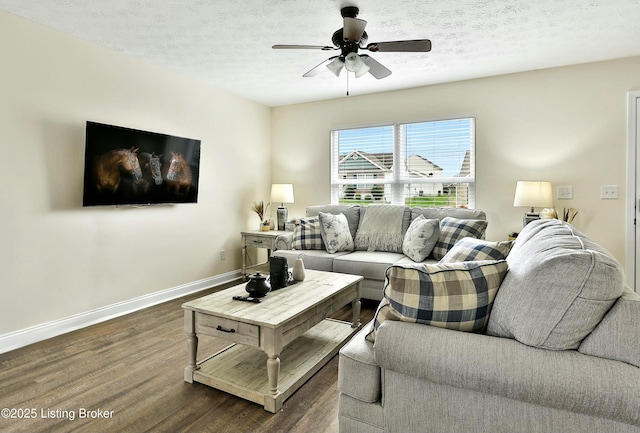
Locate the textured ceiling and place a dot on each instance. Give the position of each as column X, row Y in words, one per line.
column 227, row 43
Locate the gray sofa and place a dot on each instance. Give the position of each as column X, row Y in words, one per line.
column 370, row 264
column 561, row 352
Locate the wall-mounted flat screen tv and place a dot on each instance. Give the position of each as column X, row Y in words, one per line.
column 126, row 166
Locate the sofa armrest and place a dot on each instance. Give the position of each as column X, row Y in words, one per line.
column 564, row 379
column 358, row 373
column 284, row 241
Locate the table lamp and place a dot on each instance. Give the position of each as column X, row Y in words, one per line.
column 532, row 194
column 283, row 193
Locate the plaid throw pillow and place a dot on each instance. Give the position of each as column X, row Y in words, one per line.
column 448, row 295
column 469, row 249
column 452, row 230
column 307, row 235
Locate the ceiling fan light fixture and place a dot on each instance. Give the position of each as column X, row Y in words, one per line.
column 336, row 66
column 362, row 70
column 355, row 64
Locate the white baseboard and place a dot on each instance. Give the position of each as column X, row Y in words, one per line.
column 43, row 331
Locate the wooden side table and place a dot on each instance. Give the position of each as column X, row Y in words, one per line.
column 258, row 239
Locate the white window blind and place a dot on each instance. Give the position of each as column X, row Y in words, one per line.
column 426, row 164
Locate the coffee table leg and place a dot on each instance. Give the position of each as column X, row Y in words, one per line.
column 273, row 372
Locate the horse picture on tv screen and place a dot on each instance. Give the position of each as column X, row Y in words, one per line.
column 127, row 167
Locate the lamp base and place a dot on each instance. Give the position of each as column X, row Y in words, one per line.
column 528, row 217
column 282, row 217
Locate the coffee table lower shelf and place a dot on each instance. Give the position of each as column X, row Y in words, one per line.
column 242, row 370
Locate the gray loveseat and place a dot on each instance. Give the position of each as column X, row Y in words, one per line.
column 362, row 261
column 561, row 352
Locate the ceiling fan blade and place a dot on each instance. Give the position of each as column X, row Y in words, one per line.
column 376, row 68
column 320, row 68
column 303, row 47
column 353, row 29
column 417, row 45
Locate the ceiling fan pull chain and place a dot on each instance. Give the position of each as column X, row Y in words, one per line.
column 347, row 83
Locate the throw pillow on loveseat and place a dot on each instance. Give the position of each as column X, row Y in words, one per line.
column 455, row 295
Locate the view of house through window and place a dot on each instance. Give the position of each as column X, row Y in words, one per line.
column 427, row 164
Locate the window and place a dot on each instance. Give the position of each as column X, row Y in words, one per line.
column 427, row 164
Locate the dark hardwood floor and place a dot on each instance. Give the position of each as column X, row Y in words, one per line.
column 131, row 369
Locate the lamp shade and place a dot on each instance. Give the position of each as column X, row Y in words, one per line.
column 282, row 193
column 533, row 194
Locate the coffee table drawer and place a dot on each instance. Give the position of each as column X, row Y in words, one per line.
column 231, row 330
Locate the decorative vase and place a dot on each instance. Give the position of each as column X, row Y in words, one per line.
column 257, row 286
column 298, row 272
column 265, row 228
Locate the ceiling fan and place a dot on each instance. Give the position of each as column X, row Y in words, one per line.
column 351, row 38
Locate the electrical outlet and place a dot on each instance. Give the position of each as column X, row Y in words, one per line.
column 565, row 193
column 223, row 254
column 609, row 191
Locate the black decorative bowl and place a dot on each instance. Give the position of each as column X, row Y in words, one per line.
column 258, row 286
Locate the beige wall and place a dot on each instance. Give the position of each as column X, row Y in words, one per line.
column 57, row 258
column 566, row 125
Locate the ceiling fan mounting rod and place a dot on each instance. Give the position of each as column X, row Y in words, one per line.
column 349, row 11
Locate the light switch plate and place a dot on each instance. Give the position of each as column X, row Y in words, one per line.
column 564, row 193
column 609, row 191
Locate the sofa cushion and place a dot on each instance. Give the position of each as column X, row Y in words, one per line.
column 468, row 249
column 454, row 229
column 352, row 212
column 448, row 295
column 307, row 234
column 617, row 336
column 381, row 229
column 371, row 265
column 420, row 238
column 559, row 287
column 335, row 232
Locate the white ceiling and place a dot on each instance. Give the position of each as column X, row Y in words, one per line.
column 227, row 43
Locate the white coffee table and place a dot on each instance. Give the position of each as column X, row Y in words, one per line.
column 289, row 325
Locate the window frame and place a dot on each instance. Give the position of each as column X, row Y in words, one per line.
column 394, row 186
